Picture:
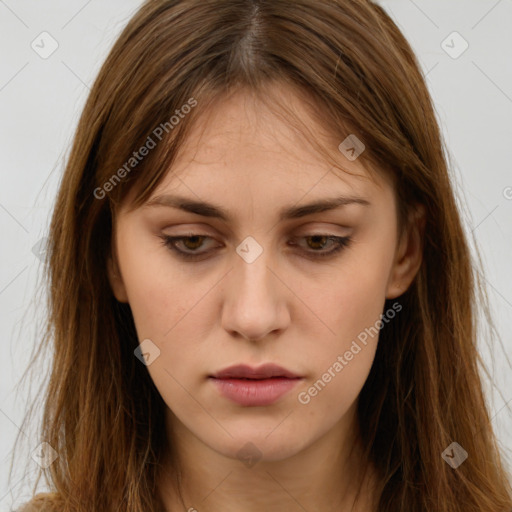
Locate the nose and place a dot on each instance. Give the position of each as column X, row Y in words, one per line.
column 255, row 299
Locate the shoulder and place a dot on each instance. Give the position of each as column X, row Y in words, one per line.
column 43, row 502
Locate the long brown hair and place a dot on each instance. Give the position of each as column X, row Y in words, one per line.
column 102, row 414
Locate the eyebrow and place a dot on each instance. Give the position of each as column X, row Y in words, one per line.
column 290, row 212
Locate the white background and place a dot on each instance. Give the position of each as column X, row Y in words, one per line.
column 41, row 99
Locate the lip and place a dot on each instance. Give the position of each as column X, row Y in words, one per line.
column 265, row 371
column 248, row 386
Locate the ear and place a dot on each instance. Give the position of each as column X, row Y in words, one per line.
column 116, row 280
column 409, row 254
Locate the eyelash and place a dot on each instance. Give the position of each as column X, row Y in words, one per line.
column 341, row 242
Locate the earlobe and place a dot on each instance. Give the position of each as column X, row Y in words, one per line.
column 116, row 281
column 409, row 255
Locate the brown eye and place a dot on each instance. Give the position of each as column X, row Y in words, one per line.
column 195, row 241
column 191, row 243
column 319, row 242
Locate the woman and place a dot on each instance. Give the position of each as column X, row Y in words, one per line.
column 262, row 297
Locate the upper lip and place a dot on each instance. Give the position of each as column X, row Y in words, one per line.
column 265, row 371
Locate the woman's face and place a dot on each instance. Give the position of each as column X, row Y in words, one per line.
column 266, row 285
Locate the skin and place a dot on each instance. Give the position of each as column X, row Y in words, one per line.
column 284, row 307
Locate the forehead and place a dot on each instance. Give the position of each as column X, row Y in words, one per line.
column 247, row 151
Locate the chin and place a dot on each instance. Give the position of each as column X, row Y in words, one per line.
column 254, row 446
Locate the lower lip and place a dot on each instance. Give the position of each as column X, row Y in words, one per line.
column 255, row 392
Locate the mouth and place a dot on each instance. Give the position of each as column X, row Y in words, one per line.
column 253, row 387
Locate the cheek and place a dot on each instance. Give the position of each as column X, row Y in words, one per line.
column 343, row 356
column 158, row 298
column 350, row 303
column 162, row 307
column 352, row 296
column 331, row 395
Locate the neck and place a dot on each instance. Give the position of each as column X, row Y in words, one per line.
column 326, row 475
